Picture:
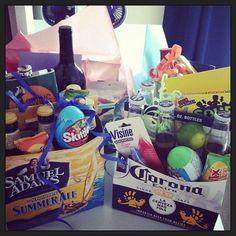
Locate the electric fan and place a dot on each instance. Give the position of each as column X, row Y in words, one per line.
column 117, row 14
column 53, row 14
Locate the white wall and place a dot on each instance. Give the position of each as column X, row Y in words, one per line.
column 145, row 14
column 21, row 17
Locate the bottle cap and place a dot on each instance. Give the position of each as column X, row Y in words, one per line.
column 148, row 85
column 65, row 29
column 166, row 106
column 73, row 87
column 44, row 110
column 25, row 70
column 137, row 100
column 10, row 118
column 223, row 116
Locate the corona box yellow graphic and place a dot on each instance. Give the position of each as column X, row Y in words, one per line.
column 203, row 92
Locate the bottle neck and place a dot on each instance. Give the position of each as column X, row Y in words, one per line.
column 66, row 49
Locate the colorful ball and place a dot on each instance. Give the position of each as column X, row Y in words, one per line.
column 184, row 164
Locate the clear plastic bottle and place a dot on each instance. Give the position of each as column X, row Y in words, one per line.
column 12, row 134
column 218, row 140
column 165, row 133
column 136, row 104
column 147, row 90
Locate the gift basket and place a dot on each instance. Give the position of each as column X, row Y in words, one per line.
column 170, row 140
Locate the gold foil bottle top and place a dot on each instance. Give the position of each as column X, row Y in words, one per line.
column 44, row 110
column 10, row 118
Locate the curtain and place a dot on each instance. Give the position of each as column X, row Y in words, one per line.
column 202, row 31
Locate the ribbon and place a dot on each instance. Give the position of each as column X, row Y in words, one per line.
column 166, row 63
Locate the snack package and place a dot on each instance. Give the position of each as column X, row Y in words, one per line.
column 32, row 144
column 217, row 167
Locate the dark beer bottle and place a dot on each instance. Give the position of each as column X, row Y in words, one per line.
column 67, row 72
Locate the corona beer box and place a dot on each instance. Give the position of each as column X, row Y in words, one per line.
column 78, row 173
column 145, row 192
column 204, row 92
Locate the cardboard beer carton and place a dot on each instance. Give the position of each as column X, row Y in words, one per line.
column 203, row 92
column 31, row 199
column 143, row 189
column 145, row 192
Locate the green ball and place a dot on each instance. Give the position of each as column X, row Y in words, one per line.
column 192, row 135
column 179, row 157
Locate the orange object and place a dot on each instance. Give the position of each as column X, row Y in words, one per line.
column 32, row 144
column 166, row 62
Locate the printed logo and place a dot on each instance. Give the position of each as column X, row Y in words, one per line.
column 218, row 171
column 193, row 219
column 185, row 102
column 123, row 134
column 77, row 134
column 162, row 205
column 209, row 108
column 130, row 200
column 25, row 181
column 24, row 96
column 145, row 175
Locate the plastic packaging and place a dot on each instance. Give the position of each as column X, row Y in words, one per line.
column 217, row 167
column 71, row 128
column 32, row 144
